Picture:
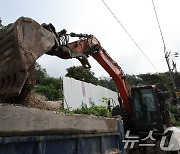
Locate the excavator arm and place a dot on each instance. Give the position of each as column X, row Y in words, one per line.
column 118, row 76
column 91, row 47
column 26, row 40
column 88, row 45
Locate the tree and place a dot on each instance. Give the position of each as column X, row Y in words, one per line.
column 56, row 82
column 3, row 28
column 82, row 74
column 161, row 80
column 1, row 23
column 133, row 80
column 107, row 83
column 49, row 91
column 177, row 80
column 40, row 74
column 46, row 85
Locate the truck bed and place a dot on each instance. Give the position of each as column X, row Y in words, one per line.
column 30, row 130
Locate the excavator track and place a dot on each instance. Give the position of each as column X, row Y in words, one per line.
column 20, row 46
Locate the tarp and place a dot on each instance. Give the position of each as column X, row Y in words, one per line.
column 77, row 92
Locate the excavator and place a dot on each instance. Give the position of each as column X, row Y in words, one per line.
column 142, row 107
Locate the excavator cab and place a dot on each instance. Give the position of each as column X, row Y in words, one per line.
column 146, row 109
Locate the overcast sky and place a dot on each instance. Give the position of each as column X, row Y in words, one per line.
column 92, row 17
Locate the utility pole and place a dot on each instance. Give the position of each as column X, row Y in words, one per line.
column 167, row 56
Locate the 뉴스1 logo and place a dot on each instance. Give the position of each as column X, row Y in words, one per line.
column 174, row 142
column 173, row 139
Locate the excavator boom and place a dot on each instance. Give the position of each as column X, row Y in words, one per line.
column 118, row 76
column 88, row 45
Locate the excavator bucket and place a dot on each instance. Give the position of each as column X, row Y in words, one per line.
column 20, row 46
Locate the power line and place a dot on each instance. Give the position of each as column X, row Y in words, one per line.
column 129, row 35
column 167, row 54
column 159, row 28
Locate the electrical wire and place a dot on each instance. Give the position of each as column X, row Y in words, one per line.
column 129, row 35
column 165, row 52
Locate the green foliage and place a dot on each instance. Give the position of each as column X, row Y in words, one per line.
column 93, row 110
column 82, row 74
column 161, row 80
column 173, row 121
column 40, row 74
column 177, row 80
column 107, row 83
column 48, row 86
column 173, row 109
column 0, row 23
column 64, row 110
column 49, row 91
column 173, row 112
column 133, row 80
column 3, row 28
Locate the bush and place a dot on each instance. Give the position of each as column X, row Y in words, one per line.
column 173, row 109
column 49, row 91
column 93, row 110
column 173, row 120
column 46, row 85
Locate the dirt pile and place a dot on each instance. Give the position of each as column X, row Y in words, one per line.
column 35, row 102
column 40, row 102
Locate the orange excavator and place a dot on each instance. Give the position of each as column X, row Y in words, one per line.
column 142, row 107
